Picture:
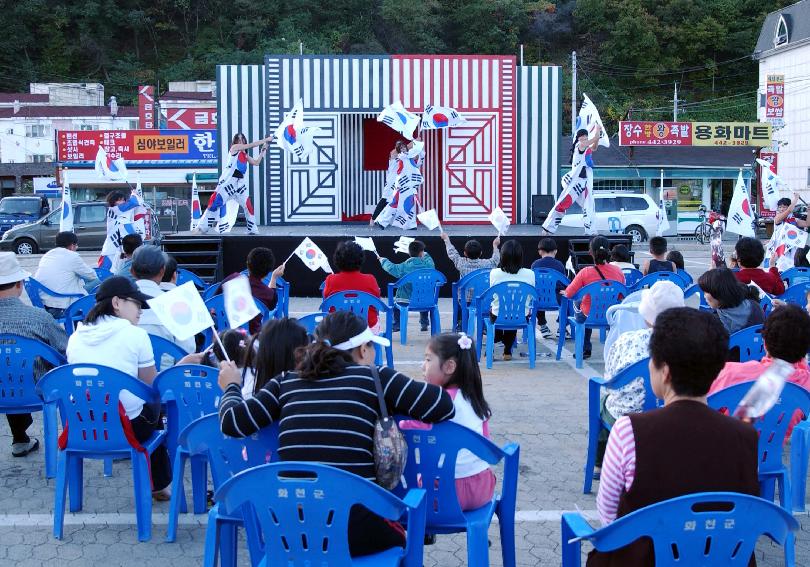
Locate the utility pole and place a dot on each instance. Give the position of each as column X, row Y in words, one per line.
column 573, row 92
column 675, row 104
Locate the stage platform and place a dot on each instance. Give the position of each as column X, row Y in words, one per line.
column 214, row 256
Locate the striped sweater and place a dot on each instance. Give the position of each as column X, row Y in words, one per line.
column 331, row 420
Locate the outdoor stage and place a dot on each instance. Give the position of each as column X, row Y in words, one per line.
column 229, row 251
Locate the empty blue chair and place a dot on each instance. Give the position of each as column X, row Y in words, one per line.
column 547, row 282
column 76, row 312
column 796, row 275
column 18, row 391
column 87, row 397
column 227, row 456
column 432, row 465
column 425, row 286
column 359, row 302
column 514, row 298
column 631, row 276
column 603, row 294
column 596, row 424
column 708, row 528
column 686, row 277
column 772, row 428
column 103, row 273
column 184, row 276
column 303, row 514
column 749, row 342
column 309, row 322
column 189, row 391
column 464, row 291
column 650, row 279
column 166, row 353
column 796, row 294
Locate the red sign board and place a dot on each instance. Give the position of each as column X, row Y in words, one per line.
column 191, row 118
column 634, row 133
column 775, row 97
column 772, row 158
column 146, row 107
column 82, row 145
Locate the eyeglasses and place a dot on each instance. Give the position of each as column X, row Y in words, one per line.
column 135, row 301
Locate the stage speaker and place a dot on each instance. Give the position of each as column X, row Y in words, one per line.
column 541, row 205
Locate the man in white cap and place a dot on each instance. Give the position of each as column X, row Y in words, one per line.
column 30, row 322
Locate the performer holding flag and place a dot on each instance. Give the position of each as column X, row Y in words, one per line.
column 402, row 206
column 119, row 207
column 232, row 187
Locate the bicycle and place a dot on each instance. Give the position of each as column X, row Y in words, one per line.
column 703, row 232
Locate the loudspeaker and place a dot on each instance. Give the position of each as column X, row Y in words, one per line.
column 541, row 205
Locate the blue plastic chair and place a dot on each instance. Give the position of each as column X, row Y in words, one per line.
column 694, row 289
column 772, row 428
column 359, row 302
column 282, row 292
column 707, row 528
column 303, row 513
column 103, row 273
column 76, row 312
column 472, row 285
column 18, row 392
column 425, row 286
column 596, row 424
column 431, row 466
column 686, row 277
column 309, row 322
column 87, row 397
column 189, row 392
column 603, row 294
column 228, row 456
column 546, row 282
column 796, row 294
column 184, row 276
column 34, row 289
column 217, row 307
column 650, row 279
column 631, row 276
column 212, row 291
column 166, row 353
column 513, row 299
column 796, row 275
column 750, row 343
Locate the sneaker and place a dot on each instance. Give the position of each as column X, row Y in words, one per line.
column 163, row 495
column 567, row 335
column 586, row 355
column 507, row 356
column 546, row 332
column 395, row 329
column 22, row 449
column 424, row 328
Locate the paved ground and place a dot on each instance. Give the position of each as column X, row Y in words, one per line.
column 544, row 410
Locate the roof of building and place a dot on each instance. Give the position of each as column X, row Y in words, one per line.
column 797, row 19
column 665, row 156
column 67, row 112
column 187, row 95
column 23, row 97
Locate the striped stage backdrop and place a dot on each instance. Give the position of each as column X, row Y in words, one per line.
column 539, row 130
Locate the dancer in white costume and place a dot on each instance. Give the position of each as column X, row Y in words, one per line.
column 401, row 191
column 231, row 186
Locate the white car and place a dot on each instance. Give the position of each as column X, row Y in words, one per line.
column 630, row 213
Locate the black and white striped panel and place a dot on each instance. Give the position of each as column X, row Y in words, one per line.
column 361, row 189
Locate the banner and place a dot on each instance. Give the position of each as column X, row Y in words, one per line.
column 191, row 118
column 635, row 133
column 83, row 145
column 775, row 97
column 773, row 159
column 731, row 134
column 66, row 218
column 740, row 220
column 146, row 107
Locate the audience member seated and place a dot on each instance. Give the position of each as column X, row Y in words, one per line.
column 620, row 257
column 62, row 270
column 260, row 262
column 327, row 409
column 110, row 336
column 169, row 280
column 658, row 262
column 275, row 350
column 419, row 260
column 600, row 270
column 129, row 244
column 348, row 259
column 676, row 258
column 148, row 265
column 800, row 258
column 31, row 322
column 628, row 349
column 684, row 447
column 750, row 254
column 547, row 250
column 510, row 270
column 472, row 259
column 786, row 334
column 736, row 304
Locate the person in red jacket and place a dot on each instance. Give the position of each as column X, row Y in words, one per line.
column 750, row 254
column 348, row 260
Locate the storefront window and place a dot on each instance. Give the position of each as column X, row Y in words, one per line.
column 722, row 190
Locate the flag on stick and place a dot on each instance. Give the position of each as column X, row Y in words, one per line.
column 182, row 311
column 366, row 243
column 499, row 220
column 588, row 119
column 110, row 169
column 239, row 304
column 292, row 136
column 312, row 256
column 396, row 117
column 436, row 117
column 772, row 184
column 740, row 221
column 66, row 218
column 430, row 219
column 196, row 208
column 661, row 214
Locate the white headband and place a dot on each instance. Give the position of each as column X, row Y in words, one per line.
column 362, row 338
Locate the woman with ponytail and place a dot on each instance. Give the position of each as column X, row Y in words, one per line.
column 601, row 270
column 327, row 408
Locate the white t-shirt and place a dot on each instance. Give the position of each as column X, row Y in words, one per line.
column 63, row 271
column 467, row 464
column 116, row 343
column 248, row 383
column 497, row 276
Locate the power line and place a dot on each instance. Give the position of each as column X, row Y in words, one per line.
column 634, row 71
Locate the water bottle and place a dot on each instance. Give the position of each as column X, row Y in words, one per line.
column 765, row 392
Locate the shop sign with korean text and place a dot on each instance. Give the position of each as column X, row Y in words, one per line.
column 82, row 145
column 640, row 133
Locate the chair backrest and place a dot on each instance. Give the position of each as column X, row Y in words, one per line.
column 102, row 273
column 603, row 294
column 17, row 371
column 77, row 311
column 425, row 286
column 796, row 294
column 303, row 509
column 695, row 289
column 34, row 289
column 650, row 279
column 165, row 348
column 546, row 283
column 431, row 465
column 796, row 275
column 473, row 284
column 750, row 343
column 191, row 388
column 229, row 456
column 639, row 369
column 513, row 299
column 212, row 291
column 87, row 396
column 309, row 322
column 773, row 426
column 631, row 276
column 184, row 276
column 686, row 276
column 217, row 307
column 358, row 302
column 282, row 294
column 709, row 528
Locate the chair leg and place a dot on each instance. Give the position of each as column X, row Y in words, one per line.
column 389, row 356
column 561, row 339
column 477, row 546
column 60, row 493
column 435, row 321
column 507, row 531
column 177, row 502
column 75, row 483
column 798, row 469
column 211, row 538
column 143, row 495
column 108, row 467
column 530, row 333
column 590, row 458
column 403, row 326
column 579, row 331
column 785, row 500
column 790, row 549
column 378, row 359
column 571, row 551
column 227, row 544
column 199, row 482
column 490, row 345
column 50, row 436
